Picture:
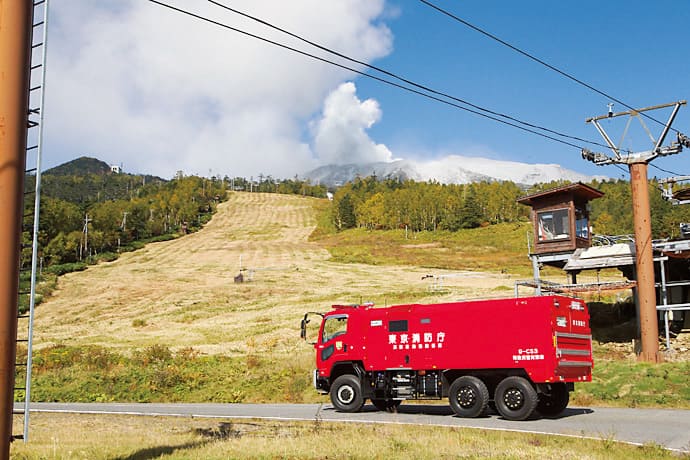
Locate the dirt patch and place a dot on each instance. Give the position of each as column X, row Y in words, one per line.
column 421, row 246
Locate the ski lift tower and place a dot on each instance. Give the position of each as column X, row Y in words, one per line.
column 637, row 164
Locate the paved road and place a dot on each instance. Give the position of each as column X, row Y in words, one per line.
column 669, row 428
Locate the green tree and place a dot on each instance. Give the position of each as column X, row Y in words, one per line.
column 345, row 213
column 471, row 213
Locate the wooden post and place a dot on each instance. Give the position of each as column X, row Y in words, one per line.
column 15, row 61
column 644, row 263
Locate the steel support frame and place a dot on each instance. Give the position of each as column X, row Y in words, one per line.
column 644, row 258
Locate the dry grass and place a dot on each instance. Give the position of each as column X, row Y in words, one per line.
column 181, row 293
column 64, row 436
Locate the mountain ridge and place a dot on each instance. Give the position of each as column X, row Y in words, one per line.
column 80, row 166
column 453, row 169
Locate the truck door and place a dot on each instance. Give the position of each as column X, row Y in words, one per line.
column 333, row 344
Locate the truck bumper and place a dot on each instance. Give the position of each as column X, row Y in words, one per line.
column 320, row 383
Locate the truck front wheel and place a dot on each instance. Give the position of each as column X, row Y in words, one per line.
column 468, row 396
column 515, row 398
column 346, row 394
column 555, row 402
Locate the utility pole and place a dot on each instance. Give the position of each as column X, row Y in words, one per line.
column 644, row 258
column 123, row 225
column 15, row 61
column 85, row 231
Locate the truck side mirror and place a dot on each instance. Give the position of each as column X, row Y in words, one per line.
column 303, row 328
column 303, row 325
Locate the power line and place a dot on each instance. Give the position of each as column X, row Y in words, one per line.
column 350, row 69
column 621, row 168
column 665, row 170
column 401, row 78
column 536, row 59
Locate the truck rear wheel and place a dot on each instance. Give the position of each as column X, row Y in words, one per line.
column 555, row 402
column 468, row 396
column 515, row 398
column 346, row 394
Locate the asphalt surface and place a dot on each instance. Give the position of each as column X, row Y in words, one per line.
column 666, row 427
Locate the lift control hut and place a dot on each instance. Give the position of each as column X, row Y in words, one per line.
column 563, row 239
column 561, row 223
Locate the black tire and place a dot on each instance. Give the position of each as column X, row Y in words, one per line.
column 468, row 396
column 515, row 398
column 386, row 405
column 555, row 402
column 346, row 394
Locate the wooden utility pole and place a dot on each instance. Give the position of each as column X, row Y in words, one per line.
column 15, row 62
column 642, row 222
column 644, row 263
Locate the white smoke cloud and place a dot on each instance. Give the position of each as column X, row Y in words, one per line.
column 134, row 83
column 340, row 135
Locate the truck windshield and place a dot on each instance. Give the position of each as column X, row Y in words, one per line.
column 334, row 326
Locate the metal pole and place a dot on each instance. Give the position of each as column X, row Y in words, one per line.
column 15, row 55
column 37, row 213
column 537, row 278
column 644, row 262
column 664, row 299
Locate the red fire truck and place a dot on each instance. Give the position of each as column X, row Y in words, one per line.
column 521, row 354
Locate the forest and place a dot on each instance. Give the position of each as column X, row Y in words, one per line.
column 90, row 215
column 431, row 206
column 87, row 212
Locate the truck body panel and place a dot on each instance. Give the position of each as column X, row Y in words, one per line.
column 417, row 351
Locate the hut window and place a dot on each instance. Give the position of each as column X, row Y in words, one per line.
column 581, row 224
column 553, row 225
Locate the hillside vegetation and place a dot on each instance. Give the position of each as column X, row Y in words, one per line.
column 168, row 322
column 429, row 206
column 181, row 292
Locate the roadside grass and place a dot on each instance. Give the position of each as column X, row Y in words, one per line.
column 138, row 437
column 636, row 384
column 158, row 374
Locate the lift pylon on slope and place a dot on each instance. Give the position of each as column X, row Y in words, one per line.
column 637, row 164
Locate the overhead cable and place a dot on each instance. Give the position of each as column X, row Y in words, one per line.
column 665, row 170
column 359, row 72
column 536, row 59
column 399, row 77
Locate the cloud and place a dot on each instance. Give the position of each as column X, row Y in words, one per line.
column 134, row 83
column 340, row 136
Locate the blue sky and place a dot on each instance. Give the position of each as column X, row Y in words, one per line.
column 632, row 50
column 131, row 82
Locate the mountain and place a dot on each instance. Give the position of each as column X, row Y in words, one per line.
column 80, row 167
column 87, row 180
column 453, row 169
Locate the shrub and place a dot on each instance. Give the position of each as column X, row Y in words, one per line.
column 61, row 269
column 106, row 257
column 156, row 239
